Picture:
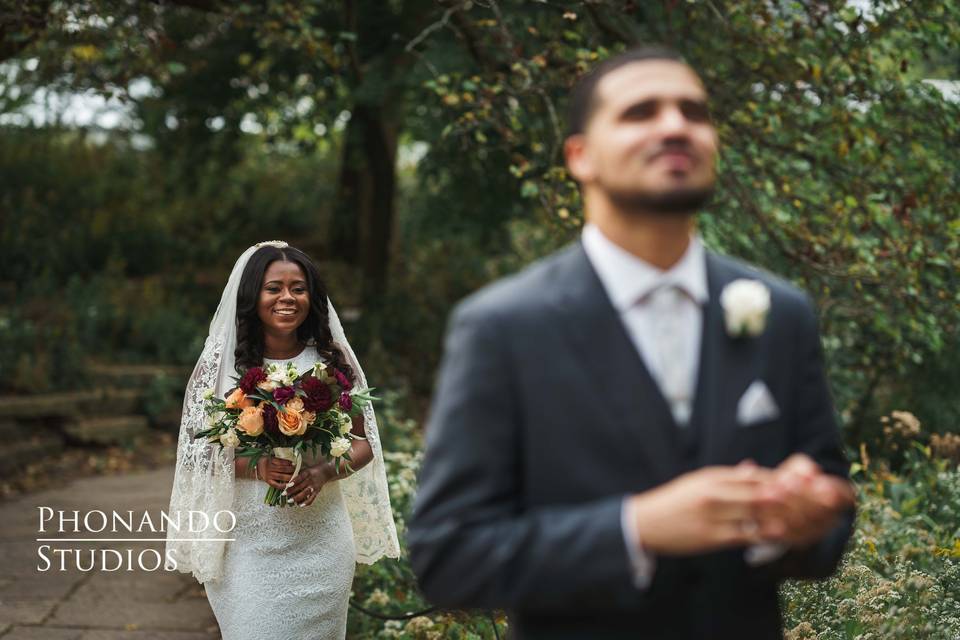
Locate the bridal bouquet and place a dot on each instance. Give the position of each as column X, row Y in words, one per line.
column 276, row 410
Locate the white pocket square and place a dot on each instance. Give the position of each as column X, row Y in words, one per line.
column 756, row 405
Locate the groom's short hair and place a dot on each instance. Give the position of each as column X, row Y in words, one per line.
column 583, row 96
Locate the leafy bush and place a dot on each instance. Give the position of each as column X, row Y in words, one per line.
column 108, row 254
column 389, row 586
column 39, row 349
column 900, row 579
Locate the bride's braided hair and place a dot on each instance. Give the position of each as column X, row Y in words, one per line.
column 315, row 327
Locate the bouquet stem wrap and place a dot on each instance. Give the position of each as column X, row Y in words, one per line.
column 294, row 456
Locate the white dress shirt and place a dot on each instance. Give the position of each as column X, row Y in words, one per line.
column 662, row 312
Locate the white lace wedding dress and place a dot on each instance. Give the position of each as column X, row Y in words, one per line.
column 287, row 575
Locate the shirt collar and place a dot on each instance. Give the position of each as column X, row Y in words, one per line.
column 628, row 278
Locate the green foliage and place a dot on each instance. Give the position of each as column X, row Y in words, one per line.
column 838, row 170
column 108, row 254
column 828, row 174
column 901, row 576
column 39, row 350
column 388, row 587
column 837, row 161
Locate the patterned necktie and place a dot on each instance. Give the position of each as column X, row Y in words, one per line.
column 672, row 353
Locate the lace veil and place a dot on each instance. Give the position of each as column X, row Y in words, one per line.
column 203, row 484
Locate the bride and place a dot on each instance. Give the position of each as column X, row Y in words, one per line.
column 281, row 572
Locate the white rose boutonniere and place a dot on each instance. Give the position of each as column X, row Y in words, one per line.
column 746, row 304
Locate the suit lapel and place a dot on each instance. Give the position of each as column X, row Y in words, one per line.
column 726, row 366
column 635, row 407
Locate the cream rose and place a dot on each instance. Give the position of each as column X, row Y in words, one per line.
column 267, row 385
column 251, row 421
column 746, row 304
column 282, row 376
column 229, row 438
column 309, row 417
column 294, row 404
column 291, row 423
column 339, row 446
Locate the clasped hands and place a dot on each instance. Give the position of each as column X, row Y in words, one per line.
column 277, row 472
column 796, row 504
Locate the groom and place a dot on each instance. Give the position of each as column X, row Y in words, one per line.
column 634, row 437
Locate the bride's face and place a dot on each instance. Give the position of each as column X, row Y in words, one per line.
column 284, row 298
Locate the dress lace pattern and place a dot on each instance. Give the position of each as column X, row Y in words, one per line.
column 203, row 480
column 288, row 571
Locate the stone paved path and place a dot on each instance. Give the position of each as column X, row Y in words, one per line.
column 95, row 605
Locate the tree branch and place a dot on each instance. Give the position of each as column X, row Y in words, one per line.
column 210, row 6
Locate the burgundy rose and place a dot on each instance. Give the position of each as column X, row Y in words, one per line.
column 346, row 402
column 282, row 394
column 251, row 379
column 270, row 420
column 318, row 397
column 342, row 380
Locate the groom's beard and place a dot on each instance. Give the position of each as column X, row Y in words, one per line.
column 678, row 202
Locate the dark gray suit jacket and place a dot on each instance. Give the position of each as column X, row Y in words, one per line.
column 545, row 418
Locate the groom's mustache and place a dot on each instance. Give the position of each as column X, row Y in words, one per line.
column 674, row 146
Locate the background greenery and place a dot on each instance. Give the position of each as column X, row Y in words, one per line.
column 413, row 148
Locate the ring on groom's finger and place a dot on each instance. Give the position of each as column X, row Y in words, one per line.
column 749, row 527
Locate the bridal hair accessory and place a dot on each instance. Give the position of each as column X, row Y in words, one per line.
column 279, row 244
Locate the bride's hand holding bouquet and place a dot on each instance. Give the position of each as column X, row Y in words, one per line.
column 276, row 414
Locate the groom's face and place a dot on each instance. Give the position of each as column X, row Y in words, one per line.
column 649, row 143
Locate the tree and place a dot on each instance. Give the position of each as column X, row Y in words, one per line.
column 838, row 164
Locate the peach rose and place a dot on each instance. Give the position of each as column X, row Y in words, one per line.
column 251, row 421
column 309, row 417
column 267, row 385
column 294, row 404
column 238, row 400
column 291, row 423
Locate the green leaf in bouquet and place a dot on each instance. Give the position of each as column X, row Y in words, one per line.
column 212, row 431
column 366, row 394
column 261, row 395
column 329, row 432
column 259, row 453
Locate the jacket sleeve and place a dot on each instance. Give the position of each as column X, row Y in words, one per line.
column 472, row 540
